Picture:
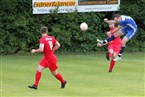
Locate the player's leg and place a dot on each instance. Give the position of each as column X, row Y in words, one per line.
column 119, row 33
column 40, row 68
column 109, row 53
column 37, row 77
column 129, row 33
column 112, row 62
column 116, row 49
column 60, row 78
column 53, row 68
column 124, row 41
column 107, row 56
column 38, row 74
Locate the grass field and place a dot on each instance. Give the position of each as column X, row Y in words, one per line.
column 87, row 75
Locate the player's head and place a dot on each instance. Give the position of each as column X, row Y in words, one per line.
column 111, row 25
column 117, row 17
column 44, row 30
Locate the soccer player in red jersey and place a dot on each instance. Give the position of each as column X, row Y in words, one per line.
column 113, row 47
column 48, row 45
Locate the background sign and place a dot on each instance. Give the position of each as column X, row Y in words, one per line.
column 45, row 6
column 65, row 6
column 98, row 5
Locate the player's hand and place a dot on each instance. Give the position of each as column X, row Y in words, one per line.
column 108, row 33
column 33, row 51
column 99, row 45
column 106, row 20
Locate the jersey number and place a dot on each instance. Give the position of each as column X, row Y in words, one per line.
column 50, row 44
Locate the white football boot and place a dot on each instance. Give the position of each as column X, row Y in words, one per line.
column 117, row 58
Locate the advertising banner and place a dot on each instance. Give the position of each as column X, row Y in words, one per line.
column 65, row 6
column 46, row 6
column 98, row 5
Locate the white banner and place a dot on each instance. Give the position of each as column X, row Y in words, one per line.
column 46, row 6
column 98, row 5
column 65, row 6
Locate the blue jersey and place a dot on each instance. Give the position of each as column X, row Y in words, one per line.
column 129, row 26
column 127, row 21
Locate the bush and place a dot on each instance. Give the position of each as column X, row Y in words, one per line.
column 19, row 29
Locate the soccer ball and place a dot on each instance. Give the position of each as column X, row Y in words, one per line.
column 83, row 26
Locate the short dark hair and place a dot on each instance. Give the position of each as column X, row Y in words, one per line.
column 43, row 30
column 117, row 15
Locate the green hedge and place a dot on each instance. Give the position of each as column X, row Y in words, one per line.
column 19, row 29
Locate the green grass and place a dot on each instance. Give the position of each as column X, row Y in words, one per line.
column 87, row 75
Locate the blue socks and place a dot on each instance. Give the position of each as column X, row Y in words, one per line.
column 121, row 51
column 110, row 38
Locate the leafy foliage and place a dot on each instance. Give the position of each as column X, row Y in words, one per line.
column 19, row 28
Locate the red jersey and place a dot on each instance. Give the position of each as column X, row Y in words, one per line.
column 116, row 41
column 49, row 42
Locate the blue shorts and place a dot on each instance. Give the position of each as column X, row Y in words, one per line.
column 129, row 32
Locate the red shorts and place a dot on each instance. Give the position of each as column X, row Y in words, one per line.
column 115, row 48
column 51, row 64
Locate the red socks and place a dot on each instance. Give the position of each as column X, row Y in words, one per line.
column 37, row 78
column 59, row 77
column 112, row 63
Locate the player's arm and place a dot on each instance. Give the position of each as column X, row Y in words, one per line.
column 114, row 31
column 56, row 46
column 109, row 21
column 39, row 50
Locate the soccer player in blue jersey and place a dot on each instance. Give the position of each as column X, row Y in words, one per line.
column 126, row 26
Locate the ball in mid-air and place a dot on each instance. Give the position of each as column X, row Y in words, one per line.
column 83, row 26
